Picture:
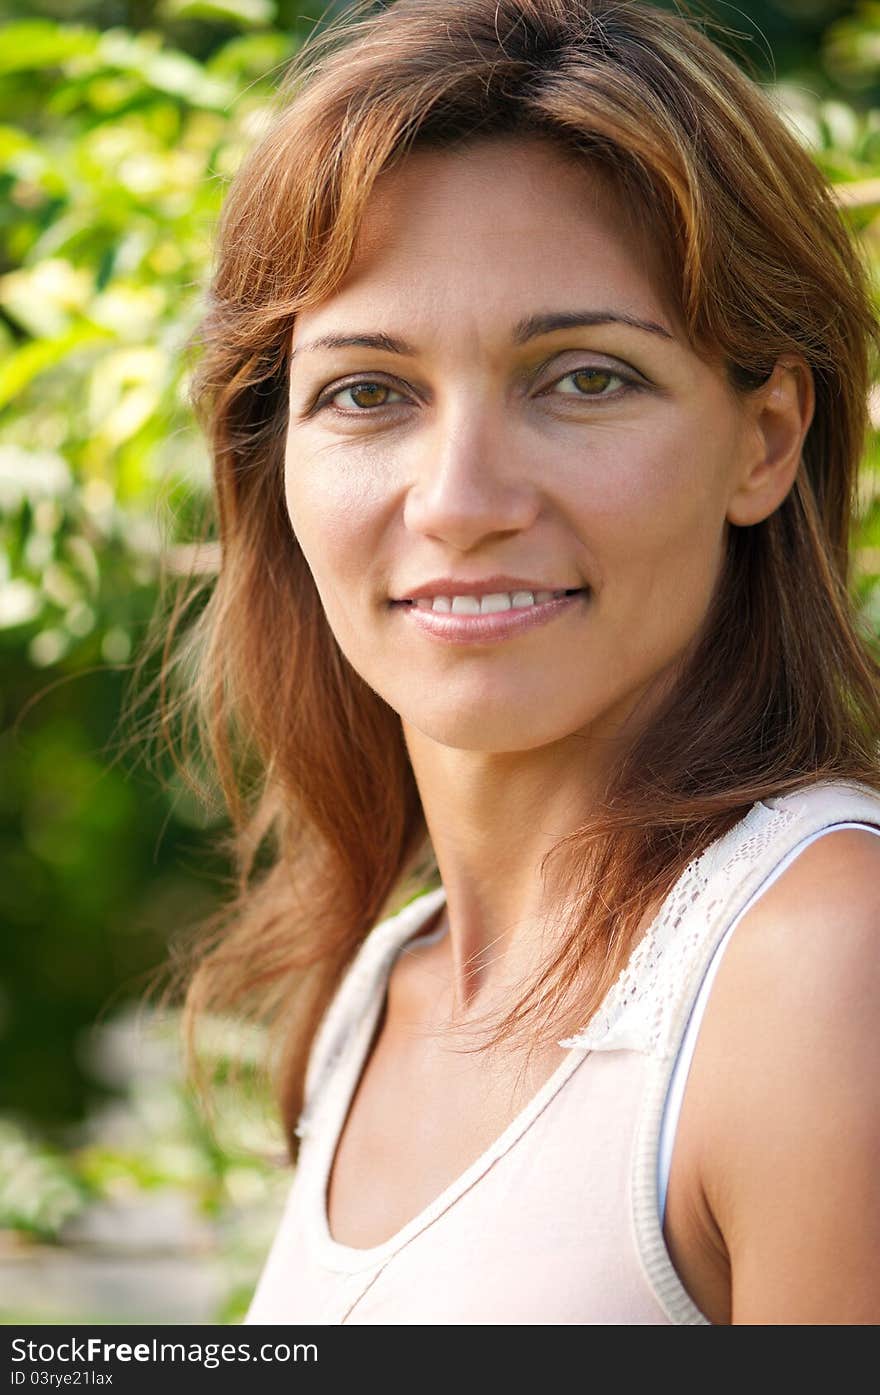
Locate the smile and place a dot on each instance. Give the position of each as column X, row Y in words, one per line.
column 472, row 625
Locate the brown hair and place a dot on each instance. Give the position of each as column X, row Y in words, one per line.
column 781, row 687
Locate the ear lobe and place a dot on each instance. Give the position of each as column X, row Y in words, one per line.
column 778, row 414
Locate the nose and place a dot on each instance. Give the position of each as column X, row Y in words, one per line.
column 470, row 480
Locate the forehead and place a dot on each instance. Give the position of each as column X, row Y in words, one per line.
column 503, row 219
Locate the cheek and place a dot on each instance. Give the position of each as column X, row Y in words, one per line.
column 330, row 502
column 651, row 497
column 332, row 507
column 655, row 516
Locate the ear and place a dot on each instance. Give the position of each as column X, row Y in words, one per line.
column 778, row 416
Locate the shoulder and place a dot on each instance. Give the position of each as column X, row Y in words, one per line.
column 823, row 910
column 806, row 952
column 788, row 1080
column 814, row 930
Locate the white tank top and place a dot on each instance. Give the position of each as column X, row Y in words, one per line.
column 675, row 1093
column 560, row 1220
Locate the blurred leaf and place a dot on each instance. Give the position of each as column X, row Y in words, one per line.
column 243, row 12
column 28, row 474
column 852, row 45
column 251, row 55
column 41, row 43
column 161, row 68
column 39, row 1189
column 12, row 143
column 20, row 368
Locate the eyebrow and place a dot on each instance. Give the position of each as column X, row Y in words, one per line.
column 528, row 328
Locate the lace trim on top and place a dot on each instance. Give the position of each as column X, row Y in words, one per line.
column 640, row 1005
column 633, row 1011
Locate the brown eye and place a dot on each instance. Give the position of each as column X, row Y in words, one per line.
column 591, row 382
column 368, row 394
column 365, row 395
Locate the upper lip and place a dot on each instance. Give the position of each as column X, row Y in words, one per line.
column 487, row 586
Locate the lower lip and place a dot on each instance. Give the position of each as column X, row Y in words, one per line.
column 484, row 629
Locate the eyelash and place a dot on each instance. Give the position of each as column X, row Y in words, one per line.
column 326, row 400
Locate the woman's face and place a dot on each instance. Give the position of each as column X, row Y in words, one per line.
column 469, row 436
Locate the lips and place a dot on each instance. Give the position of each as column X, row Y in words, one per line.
column 492, row 627
column 450, row 585
column 571, row 591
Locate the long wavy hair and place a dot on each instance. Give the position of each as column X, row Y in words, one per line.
column 326, row 830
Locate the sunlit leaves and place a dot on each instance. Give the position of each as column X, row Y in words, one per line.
column 43, row 44
column 114, row 183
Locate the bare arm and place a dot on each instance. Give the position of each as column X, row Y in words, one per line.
column 790, row 1152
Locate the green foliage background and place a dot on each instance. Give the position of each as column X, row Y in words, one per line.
column 121, row 122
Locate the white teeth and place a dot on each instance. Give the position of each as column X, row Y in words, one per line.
column 486, row 605
column 462, row 605
column 499, row 600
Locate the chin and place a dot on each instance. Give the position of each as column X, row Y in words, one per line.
column 501, row 733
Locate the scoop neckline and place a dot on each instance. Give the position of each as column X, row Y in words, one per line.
column 402, row 929
column 316, row 1162
column 334, row 1253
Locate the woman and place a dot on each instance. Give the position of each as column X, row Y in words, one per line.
column 535, row 372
